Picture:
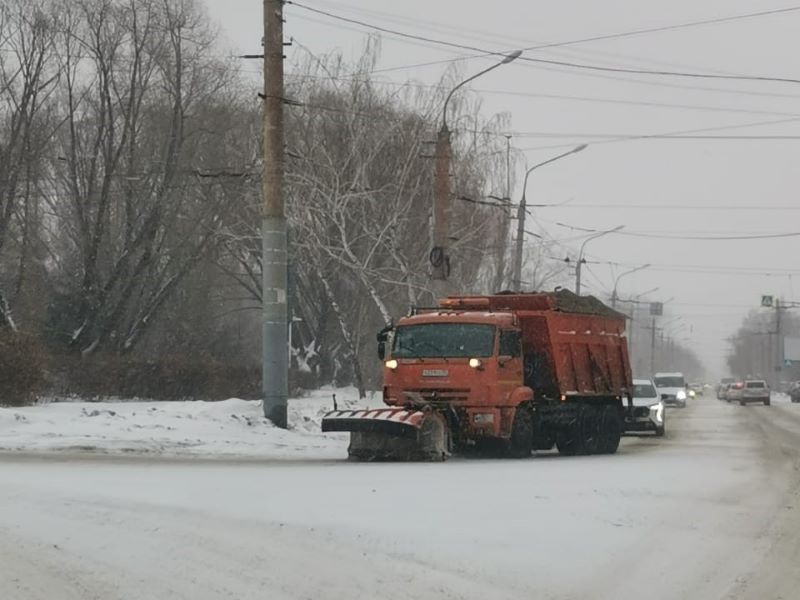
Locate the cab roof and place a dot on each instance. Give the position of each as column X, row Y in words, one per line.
column 501, row 319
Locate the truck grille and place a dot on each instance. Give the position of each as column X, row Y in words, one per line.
column 440, row 394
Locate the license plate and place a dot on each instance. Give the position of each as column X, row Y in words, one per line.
column 435, row 372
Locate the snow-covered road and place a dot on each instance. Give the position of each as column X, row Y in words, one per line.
column 710, row 512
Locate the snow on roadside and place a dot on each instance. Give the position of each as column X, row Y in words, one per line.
column 231, row 427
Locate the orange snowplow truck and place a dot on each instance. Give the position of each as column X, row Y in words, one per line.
column 511, row 372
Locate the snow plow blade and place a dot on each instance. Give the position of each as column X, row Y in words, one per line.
column 391, row 433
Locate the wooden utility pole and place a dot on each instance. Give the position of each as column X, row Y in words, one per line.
column 275, row 373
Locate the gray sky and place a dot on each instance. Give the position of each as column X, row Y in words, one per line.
column 655, row 178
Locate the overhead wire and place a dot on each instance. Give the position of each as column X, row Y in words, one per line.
column 554, row 47
column 656, row 235
column 560, row 97
column 560, row 63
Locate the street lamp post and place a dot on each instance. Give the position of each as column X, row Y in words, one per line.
column 516, row 280
column 581, row 259
column 616, row 282
column 439, row 258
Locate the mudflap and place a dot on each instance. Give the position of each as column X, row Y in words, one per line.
column 392, row 434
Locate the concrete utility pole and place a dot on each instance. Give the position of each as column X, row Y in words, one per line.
column 653, row 347
column 275, row 373
column 581, row 260
column 778, row 363
column 439, row 256
column 516, row 279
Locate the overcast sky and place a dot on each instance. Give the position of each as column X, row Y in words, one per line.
column 649, row 185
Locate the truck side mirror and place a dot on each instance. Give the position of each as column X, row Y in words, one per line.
column 382, row 337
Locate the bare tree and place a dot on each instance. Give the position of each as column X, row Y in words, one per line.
column 359, row 192
column 27, row 79
column 141, row 89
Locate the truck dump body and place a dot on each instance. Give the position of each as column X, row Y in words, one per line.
column 573, row 345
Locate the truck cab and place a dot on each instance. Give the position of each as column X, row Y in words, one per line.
column 470, row 362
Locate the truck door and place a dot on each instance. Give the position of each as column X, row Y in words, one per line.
column 509, row 361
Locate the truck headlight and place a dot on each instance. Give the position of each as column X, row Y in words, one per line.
column 681, row 395
column 475, row 363
column 391, row 364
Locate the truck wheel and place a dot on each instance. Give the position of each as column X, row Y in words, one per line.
column 521, row 443
column 610, row 431
column 567, row 442
column 767, row 402
column 741, row 402
column 660, row 431
column 589, row 442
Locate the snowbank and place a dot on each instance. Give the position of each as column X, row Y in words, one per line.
column 227, row 428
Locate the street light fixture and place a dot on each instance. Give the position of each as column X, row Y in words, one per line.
column 516, row 280
column 580, row 255
column 616, row 282
column 439, row 259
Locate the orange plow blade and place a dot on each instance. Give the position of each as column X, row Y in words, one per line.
column 391, row 433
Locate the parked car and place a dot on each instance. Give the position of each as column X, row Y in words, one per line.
column 648, row 412
column 794, row 391
column 734, row 391
column 723, row 386
column 755, row 390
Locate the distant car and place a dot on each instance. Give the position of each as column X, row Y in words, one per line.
column 723, row 386
column 734, row 391
column 648, row 411
column 671, row 388
column 755, row 390
column 697, row 388
column 794, row 391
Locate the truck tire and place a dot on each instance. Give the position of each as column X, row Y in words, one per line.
column 567, row 442
column 660, row 431
column 610, row 431
column 767, row 402
column 589, row 431
column 520, row 444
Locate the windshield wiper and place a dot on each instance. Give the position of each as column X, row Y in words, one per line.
column 436, row 348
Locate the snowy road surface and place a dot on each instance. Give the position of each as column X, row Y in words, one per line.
column 710, row 512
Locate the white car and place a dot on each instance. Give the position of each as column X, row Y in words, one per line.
column 671, row 388
column 648, row 409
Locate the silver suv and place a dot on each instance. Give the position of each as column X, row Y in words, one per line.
column 755, row 390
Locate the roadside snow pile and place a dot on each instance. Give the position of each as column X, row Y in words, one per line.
column 226, row 428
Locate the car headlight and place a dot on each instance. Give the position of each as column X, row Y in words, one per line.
column 691, row 394
column 681, row 395
column 658, row 409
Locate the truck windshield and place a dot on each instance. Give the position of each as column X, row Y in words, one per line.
column 667, row 382
column 452, row 340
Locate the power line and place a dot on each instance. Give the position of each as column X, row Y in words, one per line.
column 670, row 206
column 569, row 97
column 439, row 27
column 560, row 63
column 762, row 236
column 685, row 132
